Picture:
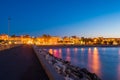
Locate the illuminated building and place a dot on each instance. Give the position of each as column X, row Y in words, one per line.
column 67, row 40
column 3, row 37
column 54, row 40
column 26, row 39
column 15, row 39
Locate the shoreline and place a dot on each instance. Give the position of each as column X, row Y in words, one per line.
column 64, row 46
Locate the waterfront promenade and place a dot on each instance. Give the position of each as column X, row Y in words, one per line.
column 20, row 63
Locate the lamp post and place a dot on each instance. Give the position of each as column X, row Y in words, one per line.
column 9, row 25
column 8, row 30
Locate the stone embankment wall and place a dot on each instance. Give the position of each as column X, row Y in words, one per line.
column 50, row 71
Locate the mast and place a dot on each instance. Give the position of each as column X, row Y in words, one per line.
column 9, row 26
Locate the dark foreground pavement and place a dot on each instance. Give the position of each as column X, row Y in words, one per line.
column 20, row 63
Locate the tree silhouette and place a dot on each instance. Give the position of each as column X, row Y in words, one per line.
column 46, row 38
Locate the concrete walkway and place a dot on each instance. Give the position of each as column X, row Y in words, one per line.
column 20, row 63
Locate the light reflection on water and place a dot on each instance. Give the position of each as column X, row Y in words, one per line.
column 118, row 71
column 118, row 64
column 60, row 53
column 75, row 55
column 105, row 62
column 51, row 51
column 96, row 61
column 68, row 57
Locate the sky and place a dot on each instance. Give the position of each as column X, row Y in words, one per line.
column 83, row 18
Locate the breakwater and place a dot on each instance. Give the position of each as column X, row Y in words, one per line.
column 58, row 69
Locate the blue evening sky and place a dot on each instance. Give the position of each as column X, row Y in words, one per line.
column 88, row 18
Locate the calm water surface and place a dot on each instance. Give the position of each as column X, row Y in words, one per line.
column 104, row 61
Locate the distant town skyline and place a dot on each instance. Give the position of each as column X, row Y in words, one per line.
column 84, row 18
